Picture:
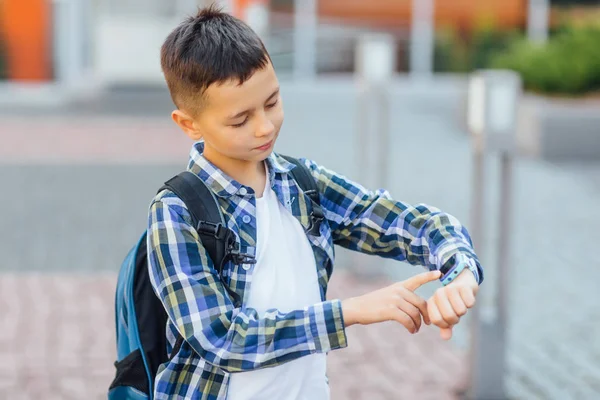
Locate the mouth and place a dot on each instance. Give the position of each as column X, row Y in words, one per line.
column 266, row 146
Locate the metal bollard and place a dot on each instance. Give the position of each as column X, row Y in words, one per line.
column 422, row 33
column 538, row 16
column 305, row 39
column 375, row 66
column 67, row 41
column 492, row 119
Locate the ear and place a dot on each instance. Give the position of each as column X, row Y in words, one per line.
column 187, row 124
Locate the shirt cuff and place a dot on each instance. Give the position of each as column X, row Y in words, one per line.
column 325, row 329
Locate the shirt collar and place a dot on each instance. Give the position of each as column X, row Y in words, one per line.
column 222, row 184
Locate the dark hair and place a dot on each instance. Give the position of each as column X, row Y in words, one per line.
column 211, row 47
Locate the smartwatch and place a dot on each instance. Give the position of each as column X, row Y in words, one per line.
column 460, row 263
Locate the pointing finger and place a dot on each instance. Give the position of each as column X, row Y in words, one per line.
column 417, row 281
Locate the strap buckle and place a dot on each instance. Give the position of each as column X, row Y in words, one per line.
column 216, row 230
column 316, row 218
column 233, row 252
column 313, row 195
column 241, row 258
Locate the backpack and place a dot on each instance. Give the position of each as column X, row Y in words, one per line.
column 140, row 317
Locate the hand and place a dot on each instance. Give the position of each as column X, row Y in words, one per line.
column 396, row 302
column 451, row 302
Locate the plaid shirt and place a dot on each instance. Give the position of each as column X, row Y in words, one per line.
column 221, row 339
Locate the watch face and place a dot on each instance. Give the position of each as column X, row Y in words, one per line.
column 453, row 273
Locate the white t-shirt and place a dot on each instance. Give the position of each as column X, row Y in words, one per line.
column 284, row 278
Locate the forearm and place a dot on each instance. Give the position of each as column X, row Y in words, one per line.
column 372, row 222
column 242, row 340
column 238, row 339
column 420, row 234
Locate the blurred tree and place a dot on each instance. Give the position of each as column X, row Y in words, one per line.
column 568, row 64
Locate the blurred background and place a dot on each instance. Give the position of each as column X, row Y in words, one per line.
column 381, row 91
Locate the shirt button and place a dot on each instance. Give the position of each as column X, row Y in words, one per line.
column 243, row 192
column 246, row 219
column 246, row 267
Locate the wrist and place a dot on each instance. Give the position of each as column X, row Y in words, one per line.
column 350, row 311
column 456, row 267
column 467, row 276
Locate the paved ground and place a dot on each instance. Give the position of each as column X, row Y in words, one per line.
column 57, row 343
column 77, row 189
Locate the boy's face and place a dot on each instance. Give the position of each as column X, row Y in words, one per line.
column 238, row 122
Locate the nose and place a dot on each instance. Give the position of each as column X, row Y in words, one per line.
column 265, row 127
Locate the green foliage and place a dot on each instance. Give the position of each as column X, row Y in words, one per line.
column 458, row 53
column 451, row 53
column 569, row 63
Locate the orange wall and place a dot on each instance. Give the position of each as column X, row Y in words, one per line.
column 464, row 13
column 25, row 26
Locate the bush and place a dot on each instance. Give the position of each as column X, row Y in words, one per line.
column 569, row 63
column 458, row 53
column 451, row 53
column 488, row 42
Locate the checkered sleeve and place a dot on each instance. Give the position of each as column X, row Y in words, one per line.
column 372, row 223
column 234, row 339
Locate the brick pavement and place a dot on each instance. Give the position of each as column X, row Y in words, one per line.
column 90, row 140
column 57, row 342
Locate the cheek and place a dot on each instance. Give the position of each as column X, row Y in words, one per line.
column 278, row 118
column 224, row 139
column 237, row 139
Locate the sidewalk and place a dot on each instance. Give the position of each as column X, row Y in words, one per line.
column 57, row 342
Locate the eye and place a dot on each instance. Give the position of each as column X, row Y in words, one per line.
column 273, row 104
column 241, row 123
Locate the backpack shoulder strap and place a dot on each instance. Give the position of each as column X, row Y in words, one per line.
column 199, row 200
column 206, row 214
column 305, row 180
column 307, row 183
column 207, row 218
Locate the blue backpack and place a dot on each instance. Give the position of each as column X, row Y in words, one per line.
column 140, row 317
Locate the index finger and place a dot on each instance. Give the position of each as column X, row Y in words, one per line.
column 417, row 281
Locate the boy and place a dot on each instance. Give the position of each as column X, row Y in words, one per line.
column 261, row 328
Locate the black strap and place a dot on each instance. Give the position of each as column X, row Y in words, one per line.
column 208, row 220
column 307, row 183
column 205, row 212
column 197, row 197
column 218, row 240
column 305, row 180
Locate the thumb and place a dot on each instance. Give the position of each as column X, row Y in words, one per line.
column 416, row 281
column 446, row 333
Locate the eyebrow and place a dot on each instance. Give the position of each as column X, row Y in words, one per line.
column 241, row 113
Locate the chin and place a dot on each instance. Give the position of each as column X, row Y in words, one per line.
column 249, row 157
column 262, row 156
column 265, row 156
